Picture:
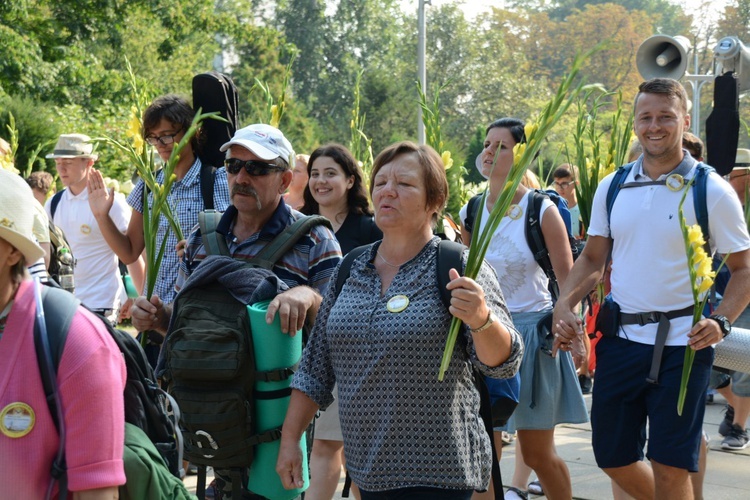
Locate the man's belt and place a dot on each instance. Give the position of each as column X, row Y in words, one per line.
column 662, row 331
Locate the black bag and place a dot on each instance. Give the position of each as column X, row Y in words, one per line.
column 608, row 317
column 146, row 405
column 212, row 92
column 57, row 241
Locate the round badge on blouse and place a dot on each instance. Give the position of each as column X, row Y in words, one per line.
column 17, row 420
column 514, row 212
column 397, row 303
column 85, row 228
column 675, row 182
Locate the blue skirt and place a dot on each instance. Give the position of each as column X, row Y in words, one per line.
column 550, row 392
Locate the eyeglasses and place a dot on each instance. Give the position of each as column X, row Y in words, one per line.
column 165, row 140
column 254, row 168
column 563, row 185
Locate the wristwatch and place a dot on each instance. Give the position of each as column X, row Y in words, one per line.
column 723, row 322
column 487, row 324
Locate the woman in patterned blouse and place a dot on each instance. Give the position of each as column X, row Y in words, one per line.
column 405, row 433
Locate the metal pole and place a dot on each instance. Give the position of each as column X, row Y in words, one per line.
column 696, row 82
column 421, row 69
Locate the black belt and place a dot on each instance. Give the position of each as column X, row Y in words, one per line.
column 662, row 331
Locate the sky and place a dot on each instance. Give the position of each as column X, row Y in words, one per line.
column 474, row 7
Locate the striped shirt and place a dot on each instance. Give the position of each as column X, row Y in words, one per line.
column 186, row 197
column 310, row 262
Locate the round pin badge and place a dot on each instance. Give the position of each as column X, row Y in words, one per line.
column 397, row 303
column 85, row 228
column 675, row 182
column 17, row 420
column 514, row 212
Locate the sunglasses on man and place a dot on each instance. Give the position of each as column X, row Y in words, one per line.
column 254, row 168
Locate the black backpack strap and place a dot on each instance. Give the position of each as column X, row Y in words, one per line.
column 472, row 208
column 700, row 201
column 208, row 178
column 213, row 242
column 535, row 239
column 346, row 266
column 281, row 244
column 51, row 327
column 448, row 257
column 55, row 201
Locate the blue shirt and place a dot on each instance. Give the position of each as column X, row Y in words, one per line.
column 186, row 197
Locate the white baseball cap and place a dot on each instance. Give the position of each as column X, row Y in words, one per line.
column 265, row 141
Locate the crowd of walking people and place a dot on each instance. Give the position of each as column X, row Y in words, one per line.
column 375, row 323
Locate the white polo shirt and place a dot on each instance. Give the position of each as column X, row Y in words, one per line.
column 97, row 275
column 649, row 264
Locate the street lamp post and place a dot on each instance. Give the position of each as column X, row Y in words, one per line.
column 421, row 68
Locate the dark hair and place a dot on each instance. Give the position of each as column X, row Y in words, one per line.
column 514, row 125
column 693, row 144
column 357, row 201
column 666, row 87
column 431, row 165
column 18, row 270
column 40, row 180
column 175, row 110
column 563, row 170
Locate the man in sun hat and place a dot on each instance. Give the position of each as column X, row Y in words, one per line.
column 94, row 425
column 258, row 160
column 96, row 273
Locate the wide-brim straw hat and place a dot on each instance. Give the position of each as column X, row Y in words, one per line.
column 17, row 216
column 742, row 160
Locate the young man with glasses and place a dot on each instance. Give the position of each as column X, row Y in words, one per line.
column 165, row 122
column 565, row 185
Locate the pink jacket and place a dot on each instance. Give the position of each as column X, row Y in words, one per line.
column 91, row 378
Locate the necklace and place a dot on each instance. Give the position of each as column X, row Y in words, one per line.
column 388, row 263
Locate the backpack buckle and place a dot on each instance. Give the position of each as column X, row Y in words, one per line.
column 208, row 438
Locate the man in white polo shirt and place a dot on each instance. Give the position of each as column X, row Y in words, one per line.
column 96, row 274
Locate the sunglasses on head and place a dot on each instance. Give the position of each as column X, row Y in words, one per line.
column 252, row 167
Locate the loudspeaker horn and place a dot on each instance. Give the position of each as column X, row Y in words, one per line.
column 662, row 56
column 730, row 54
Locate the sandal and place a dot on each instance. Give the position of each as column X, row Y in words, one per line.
column 522, row 495
column 535, row 488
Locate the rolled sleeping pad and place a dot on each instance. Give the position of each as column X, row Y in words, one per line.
column 273, row 350
column 733, row 353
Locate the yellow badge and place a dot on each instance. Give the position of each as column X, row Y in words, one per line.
column 675, row 182
column 85, row 228
column 397, row 303
column 17, row 420
column 514, row 212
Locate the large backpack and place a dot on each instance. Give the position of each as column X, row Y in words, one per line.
column 147, row 407
column 448, row 257
column 533, row 230
column 211, row 369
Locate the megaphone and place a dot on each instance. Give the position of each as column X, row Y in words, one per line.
column 662, row 56
column 730, row 54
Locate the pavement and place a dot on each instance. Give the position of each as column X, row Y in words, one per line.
column 725, row 473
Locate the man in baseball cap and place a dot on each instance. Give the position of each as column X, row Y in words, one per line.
column 258, row 173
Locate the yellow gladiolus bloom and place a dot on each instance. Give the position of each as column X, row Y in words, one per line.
column 528, row 129
column 695, row 236
column 705, row 285
column 275, row 116
column 447, row 160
